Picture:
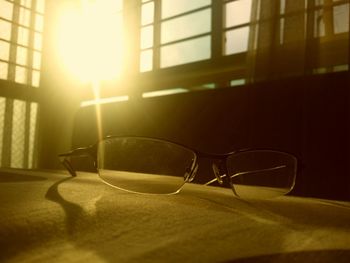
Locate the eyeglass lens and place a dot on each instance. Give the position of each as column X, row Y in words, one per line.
column 145, row 165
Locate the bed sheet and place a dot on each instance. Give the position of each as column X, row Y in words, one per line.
column 47, row 216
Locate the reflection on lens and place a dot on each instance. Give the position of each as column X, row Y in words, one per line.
column 144, row 165
column 261, row 173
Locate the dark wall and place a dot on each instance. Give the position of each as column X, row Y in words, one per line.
column 306, row 116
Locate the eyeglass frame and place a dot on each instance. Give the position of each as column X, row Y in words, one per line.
column 91, row 151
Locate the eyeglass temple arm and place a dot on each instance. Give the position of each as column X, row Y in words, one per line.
column 79, row 152
column 247, row 172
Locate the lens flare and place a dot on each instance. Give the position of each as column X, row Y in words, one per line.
column 90, row 40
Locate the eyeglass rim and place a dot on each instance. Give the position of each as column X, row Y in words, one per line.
column 92, row 150
column 202, row 154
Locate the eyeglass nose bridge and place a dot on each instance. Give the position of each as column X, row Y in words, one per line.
column 191, row 173
column 219, row 177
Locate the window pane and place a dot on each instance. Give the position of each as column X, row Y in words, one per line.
column 40, row 6
column 2, row 122
column 39, row 22
column 4, row 67
column 21, row 56
column 5, row 30
column 237, row 13
column 147, row 16
column 26, row 3
column 24, row 16
column 4, row 50
column 319, row 26
column 236, row 40
column 32, row 132
column 165, row 92
column 169, row 8
column 18, row 134
column 37, row 41
column 146, row 60
column 36, row 60
column 6, row 9
column 185, row 52
column 21, row 75
column 35, row 78
column 237, row 82
column 341, row 18
column 282, row 6
column 146, row 37
column 23, row 36
column 186, row 26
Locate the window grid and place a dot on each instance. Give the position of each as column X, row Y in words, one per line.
column 153, row 53
column 20, row 63
column 20, row 45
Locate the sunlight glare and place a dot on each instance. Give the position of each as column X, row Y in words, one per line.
column 90, row 40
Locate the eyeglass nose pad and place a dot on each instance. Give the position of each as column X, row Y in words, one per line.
column 191, row 173
column 216, row 172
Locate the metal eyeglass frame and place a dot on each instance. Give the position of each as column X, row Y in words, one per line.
column 220, row 171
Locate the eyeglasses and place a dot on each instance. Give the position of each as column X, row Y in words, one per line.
column 153, row 166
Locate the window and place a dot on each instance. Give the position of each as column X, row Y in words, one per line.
column 21, row 29
column 188, row 44
column 173, row 35
column 237, row 18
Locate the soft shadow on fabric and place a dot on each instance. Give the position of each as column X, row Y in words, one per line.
column 13, row 177
column 73, row 212
column 320, row 256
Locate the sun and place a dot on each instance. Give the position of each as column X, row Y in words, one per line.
column 90, row 39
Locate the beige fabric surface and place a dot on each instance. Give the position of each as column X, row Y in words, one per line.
column 49, row 217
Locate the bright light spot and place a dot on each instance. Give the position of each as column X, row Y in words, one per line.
column 90, row 39
column 104, row 100
column 163, row 92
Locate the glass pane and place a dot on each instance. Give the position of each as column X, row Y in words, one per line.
column 282, row 6
column 340, row 68
column 144, row 165
column 262, row 173
column 170, row 8
column 21, row 75
column 186, row 26
column 146, row 37
column 18, row 134
column 32, row 133
column 2, row 122
column 237, row 82
column 40, row 6
column 36, row 60
column 166, row 92
column 146, row 60
column 35, row 78
column 4, row 68
column 37, row 41
column 24, row 16
column 237, row 12
column 319, row 26
column 147, row 16
column 341, row 18
column 6, row 9
column 23, row 36
column 236, row 40
column 185, row 52
column 22, row 56
column 39, row 22
column 26, row 3
column 5, row 30
column 4, row 50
